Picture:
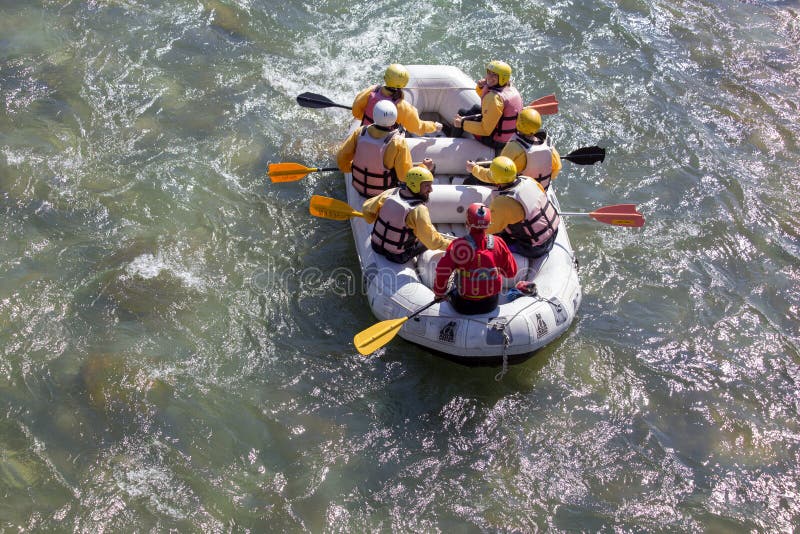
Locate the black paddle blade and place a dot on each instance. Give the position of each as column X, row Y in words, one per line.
column 313, row 100
column 587, row 155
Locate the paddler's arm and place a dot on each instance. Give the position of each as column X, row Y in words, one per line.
column 511, row 150
column 507, row 265
column 419, row 220
column 491, row 111
column 480, row 87
column 481, row 173
column 556, row 164
column 398, row 157
column 505, row 210
column 344, row 157
column 408, row 116
column 360, row 102
column 514, row 151
column 372, row 206
column 443, row 270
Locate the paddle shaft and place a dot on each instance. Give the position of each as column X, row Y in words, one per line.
column 313, row 100
column 428, row 305
column 617, row 215
column 303, row 171
column 306, row 100
column 609, row 214
column 545, row 109
column 390, row 331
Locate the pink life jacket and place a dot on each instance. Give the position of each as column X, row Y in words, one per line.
column 512, row 105
column 374, row 97
column 370, row 177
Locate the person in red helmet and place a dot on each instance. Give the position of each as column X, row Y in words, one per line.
column 480, row 262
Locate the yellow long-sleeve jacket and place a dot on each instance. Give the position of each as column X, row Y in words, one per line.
column 397, row 155
column 514, row 150
column 407, row 115
column 418, row 219
column 491, row 110
column 505, row 210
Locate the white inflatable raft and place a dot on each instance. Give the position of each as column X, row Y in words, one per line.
column 517, row 328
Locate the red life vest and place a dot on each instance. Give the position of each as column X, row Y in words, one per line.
column 374, row 97
column 370, row 177
column 477, row 278
column 512, row 105
column 538, row 157
column 390, row 234
column 541, row 218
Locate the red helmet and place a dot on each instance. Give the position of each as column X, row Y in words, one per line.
column 478, row 216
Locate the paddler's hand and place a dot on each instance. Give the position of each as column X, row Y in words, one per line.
column 439, row 126
column 428, row 162
column 470, row 165
column 457, row 121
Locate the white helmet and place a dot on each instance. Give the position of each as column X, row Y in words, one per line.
column 384, row 114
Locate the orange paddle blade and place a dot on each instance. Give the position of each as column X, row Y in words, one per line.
column 291, row 172
column 287, row 172
column 546, row 105
column 549, row 99
column 546, row 109
column 618, row 215
column 330, row 208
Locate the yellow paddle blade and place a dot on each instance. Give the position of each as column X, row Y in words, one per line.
column 376, row 336
column 330, row 208
column 288, row 172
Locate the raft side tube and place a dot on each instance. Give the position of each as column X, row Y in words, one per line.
column 449, row 154
column 449, row 203
column 440, row 89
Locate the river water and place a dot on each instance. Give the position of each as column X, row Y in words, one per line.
column 176, row 344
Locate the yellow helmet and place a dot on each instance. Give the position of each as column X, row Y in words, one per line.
column 502, row 69
column 503, row 170
column 528, row 121
column 415, row 176
column 396, row 76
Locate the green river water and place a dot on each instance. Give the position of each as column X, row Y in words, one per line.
column 176, row 344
